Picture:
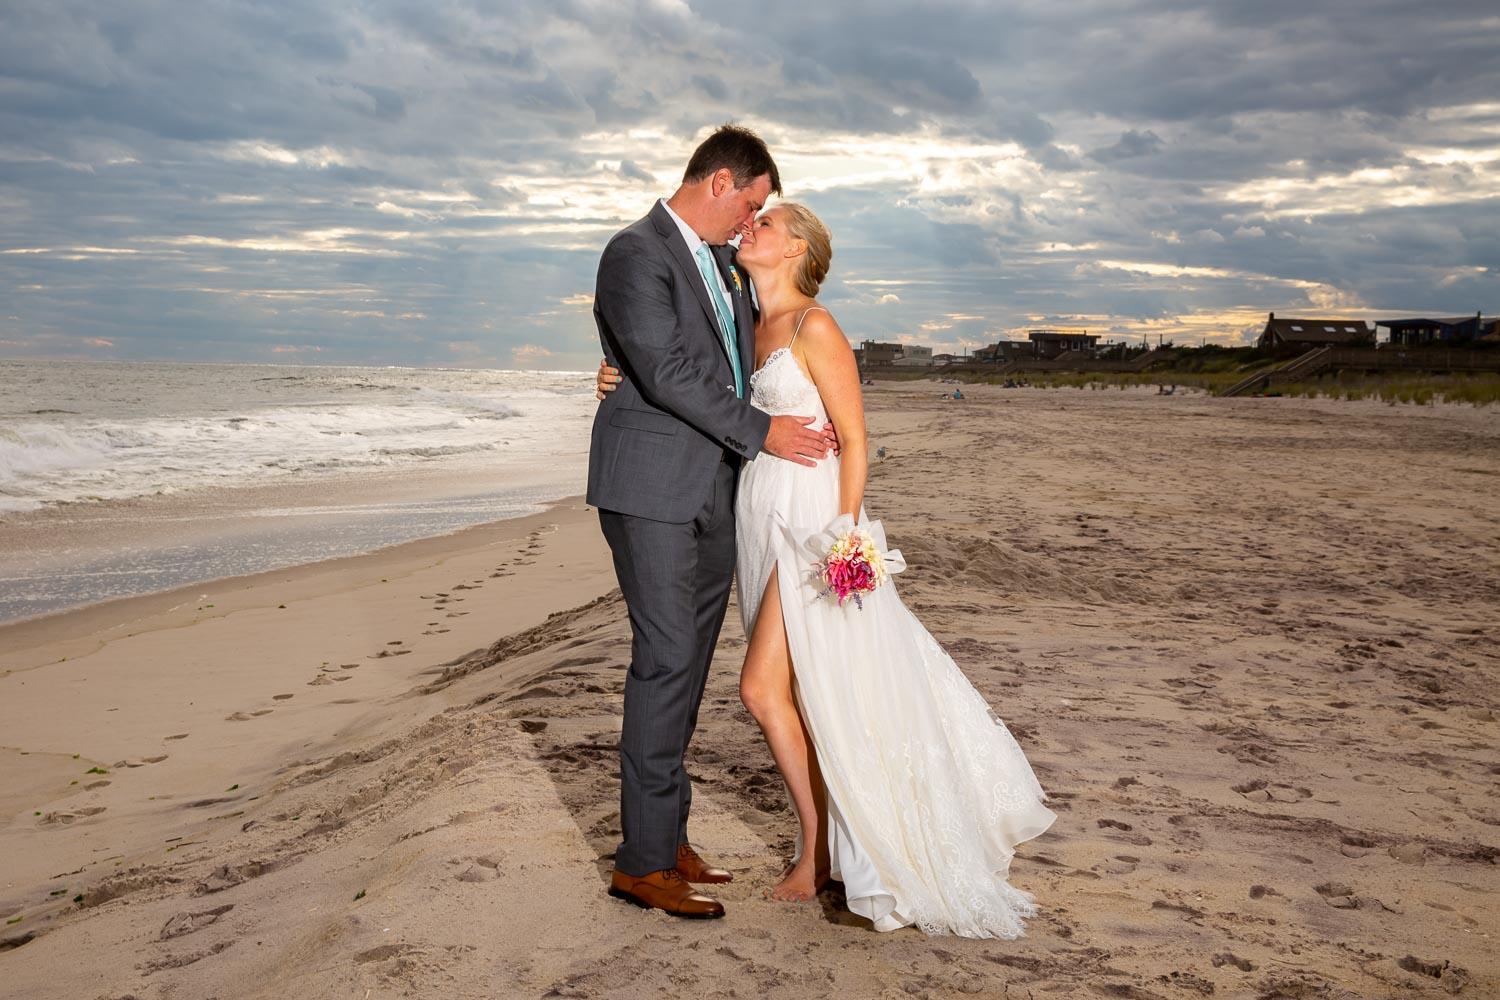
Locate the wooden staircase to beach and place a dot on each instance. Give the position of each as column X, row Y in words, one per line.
column 1299, row 367
column 1369, row 359
column 1141, row 362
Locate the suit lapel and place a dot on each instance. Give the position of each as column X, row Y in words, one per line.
column 672, row 237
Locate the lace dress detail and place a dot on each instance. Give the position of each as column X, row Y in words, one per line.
column 928, row 790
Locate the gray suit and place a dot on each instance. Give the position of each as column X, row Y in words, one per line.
column 663, row 461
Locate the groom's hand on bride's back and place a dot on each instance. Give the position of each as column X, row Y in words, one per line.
column 792, row 439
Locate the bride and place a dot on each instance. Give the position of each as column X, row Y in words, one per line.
column 906, row 786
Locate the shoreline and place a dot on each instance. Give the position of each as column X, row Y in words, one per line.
column 157, row 544
column 115, row 483
column 21, row 634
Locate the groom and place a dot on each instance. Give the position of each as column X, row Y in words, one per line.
column 676, row 316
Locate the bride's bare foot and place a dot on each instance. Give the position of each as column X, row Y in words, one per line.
column 800, row 884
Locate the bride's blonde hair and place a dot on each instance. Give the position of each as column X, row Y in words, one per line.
column 802, row 224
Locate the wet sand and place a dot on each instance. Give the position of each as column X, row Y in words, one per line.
column 1248, row 645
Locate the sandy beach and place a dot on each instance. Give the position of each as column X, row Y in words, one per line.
column 1249, row 645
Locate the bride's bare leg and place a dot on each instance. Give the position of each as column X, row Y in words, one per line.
column 766, row 690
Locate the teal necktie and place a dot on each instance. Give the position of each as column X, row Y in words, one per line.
column 726, row 316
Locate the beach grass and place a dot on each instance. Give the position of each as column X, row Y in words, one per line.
column 1421, row 389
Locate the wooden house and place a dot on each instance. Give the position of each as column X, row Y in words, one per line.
column 1051, row 343
column 1002, row 351
column 1305, row 334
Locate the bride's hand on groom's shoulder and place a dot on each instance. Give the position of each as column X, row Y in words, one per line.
column 607, row 380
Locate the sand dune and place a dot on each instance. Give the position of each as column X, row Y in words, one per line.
column 1249, row 646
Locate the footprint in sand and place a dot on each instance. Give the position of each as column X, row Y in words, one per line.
column 66, row 818
column 1410, row 854
column 484, row 868
column 381, row 953
column 1355, row 845
column 476, row 873
column 184, row 923
column 1260, row 790
column 1229, row 958
column 1125, row 834
column 282, row 697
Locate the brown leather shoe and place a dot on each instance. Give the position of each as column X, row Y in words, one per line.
column 664, row 890
column 695, row 869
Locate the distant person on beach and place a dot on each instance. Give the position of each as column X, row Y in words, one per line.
column 905, row 785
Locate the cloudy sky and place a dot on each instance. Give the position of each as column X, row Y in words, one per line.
column 430, row 182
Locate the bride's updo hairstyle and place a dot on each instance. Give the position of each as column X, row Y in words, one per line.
column 803, row 225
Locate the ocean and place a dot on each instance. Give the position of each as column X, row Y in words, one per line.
column 124, row 478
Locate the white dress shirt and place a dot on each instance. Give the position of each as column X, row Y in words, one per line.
column 693, row 241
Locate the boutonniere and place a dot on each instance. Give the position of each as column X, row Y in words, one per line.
column 735, row 276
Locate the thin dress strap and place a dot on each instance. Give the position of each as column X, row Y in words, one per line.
column 799, row 323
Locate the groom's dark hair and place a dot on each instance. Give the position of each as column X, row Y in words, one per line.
column 739, row 149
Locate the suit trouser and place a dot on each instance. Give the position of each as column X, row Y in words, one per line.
column 676, row 580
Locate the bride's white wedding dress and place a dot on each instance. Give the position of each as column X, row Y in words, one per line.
column 928, row 791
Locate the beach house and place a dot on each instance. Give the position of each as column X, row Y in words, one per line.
column 1305, row 334
column 873, row 352
column 1002, row 351
column 1051, row 343
column 1416, row 332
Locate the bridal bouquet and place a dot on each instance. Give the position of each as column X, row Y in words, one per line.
column 852, row 561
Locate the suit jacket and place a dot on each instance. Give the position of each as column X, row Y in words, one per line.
column 660, row 435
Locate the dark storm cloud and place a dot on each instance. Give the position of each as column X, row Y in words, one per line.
column 431, row 182
column 1131, row 144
